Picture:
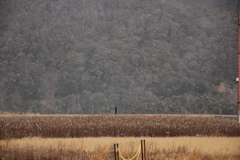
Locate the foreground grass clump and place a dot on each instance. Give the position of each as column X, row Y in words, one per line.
column 60, row 126
column 188, row 148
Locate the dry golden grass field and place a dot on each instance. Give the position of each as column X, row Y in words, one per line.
column 188, row 148
column 91, row 137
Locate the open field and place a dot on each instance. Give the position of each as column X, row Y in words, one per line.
column 188, row 148
column 91, row 137
column 58, row 126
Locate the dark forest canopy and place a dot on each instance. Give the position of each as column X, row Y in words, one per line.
column 144, row 56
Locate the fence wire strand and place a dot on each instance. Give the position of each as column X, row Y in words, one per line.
column 137, row 154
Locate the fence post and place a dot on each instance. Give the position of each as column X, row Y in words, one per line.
column 142, row 149
column 145, row 157
column 115, row 155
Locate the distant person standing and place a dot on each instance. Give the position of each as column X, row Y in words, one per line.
column 116, row 110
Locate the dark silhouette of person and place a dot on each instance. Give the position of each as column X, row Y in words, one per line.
column 116, row 110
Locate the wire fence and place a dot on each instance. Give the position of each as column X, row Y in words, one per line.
column 140, row 151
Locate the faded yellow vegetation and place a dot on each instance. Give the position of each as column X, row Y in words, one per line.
column 102, row 147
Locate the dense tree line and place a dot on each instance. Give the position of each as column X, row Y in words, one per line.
column 88, row 56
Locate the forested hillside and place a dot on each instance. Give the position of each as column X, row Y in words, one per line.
column 144, row 56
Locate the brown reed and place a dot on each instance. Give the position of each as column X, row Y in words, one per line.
column 116, row 126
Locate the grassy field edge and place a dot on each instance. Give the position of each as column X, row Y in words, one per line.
column 102, row 147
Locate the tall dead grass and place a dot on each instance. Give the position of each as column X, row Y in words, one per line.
column 188, row 148
column 115, row 126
